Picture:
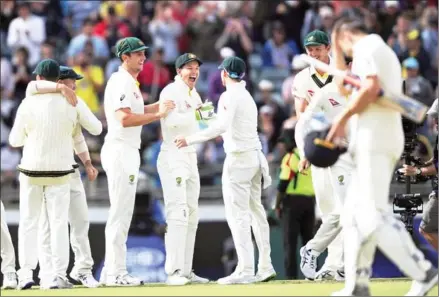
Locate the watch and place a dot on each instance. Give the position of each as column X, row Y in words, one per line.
column 418, row 171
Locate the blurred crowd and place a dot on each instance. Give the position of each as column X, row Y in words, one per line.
column 266, row 34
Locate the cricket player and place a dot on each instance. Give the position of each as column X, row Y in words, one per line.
column 306, row 83
column 329, row 102
column 178, row 170
column 7, row 254
column 78, row 210
column 126, row 114
column 44, row 126
column 377, row 142
column 244, row 168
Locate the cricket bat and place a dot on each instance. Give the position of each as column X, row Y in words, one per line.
column 410, row 108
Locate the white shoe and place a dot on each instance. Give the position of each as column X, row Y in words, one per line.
column 308, row 262
column 195, row 279
column 50, row 284
column 238, row 278
column 325, row 275
column 125, row 280
column 63, row 282
column 103, row 277
column 177, row 279
column 10, row 281
column 86, row 279
column 25, row 283
column 422, row 288
column 265, row 276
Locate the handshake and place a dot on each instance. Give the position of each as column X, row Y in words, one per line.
column 205, row 111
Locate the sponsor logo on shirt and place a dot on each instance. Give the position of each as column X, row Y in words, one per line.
column 310, row 93
column 333, row 102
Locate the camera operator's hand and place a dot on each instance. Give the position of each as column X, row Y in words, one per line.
column 410, row 170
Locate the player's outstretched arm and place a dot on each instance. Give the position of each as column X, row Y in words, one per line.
column 87, row 119
column 46, row 87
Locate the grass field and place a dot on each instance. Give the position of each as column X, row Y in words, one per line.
column 387, row 287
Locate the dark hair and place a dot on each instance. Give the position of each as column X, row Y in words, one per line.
column 351, row 25
column 128, row 54
column 88, row 22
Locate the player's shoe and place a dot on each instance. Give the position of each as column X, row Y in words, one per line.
column 195, row 279
column 50, row 284
column 421, row 288
column 85, row 279
column 177, row 279
column 330, row 275
column 25, row 283
column 308, row 262
column 123, row 280
column 358, row 291
column 237, row 278
column 63, row 282
column 265, row 276
column 10, row 281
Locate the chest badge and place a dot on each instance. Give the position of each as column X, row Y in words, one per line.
column 310, row 93
column 137, row 96
column 333, row 102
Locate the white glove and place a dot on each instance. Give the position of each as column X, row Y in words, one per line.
column 205, row 112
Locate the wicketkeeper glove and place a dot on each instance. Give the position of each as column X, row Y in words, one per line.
column 205, row 112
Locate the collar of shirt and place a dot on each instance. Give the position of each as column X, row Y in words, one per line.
column 239, row 85
column 179, row 81
column 323, row 77
column 126, row 73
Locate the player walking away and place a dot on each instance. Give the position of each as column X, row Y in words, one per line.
column 178, row 170
column 244, row 167
column 45, row 170
column 7, row 254
column 307, row 83
column 126, row 114
column 78, row 210
column 369, row 222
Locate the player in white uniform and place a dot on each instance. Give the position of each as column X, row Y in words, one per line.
column 126, row 114
column 244, row 167
column 7, row 254
column 44, row 126
column 178, row 170
column 330, row 103
column 376, row 144
column 306, row 83
column 78, row 210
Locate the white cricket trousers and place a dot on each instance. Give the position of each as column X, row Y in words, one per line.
column 7, row 248
column 121, row 163
column 180, row 181
column 328, row 192
column 241, row 183
column 57, row 201
column 79, row 225
column 369, row 222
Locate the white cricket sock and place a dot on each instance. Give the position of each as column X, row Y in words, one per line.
column 395, row 242
column 175, row 243
column 189, row 251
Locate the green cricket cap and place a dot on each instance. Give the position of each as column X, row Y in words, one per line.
column 234, row 66
column 129, row 45
column 316, row 37
column 186, row 58
column 47, row 68
column 68, row 73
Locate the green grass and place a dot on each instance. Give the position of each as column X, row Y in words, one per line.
column 381, row 287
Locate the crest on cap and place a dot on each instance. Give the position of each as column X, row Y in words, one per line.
column 191, row 56
column 311, row 38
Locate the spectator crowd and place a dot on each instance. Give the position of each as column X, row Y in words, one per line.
column 266, row 34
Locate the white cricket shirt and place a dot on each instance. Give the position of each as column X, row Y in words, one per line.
column 307, row 82
column 237, row 121
column 181, row 121
column 122, row 91
column 44, row 126
column 378, row 127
